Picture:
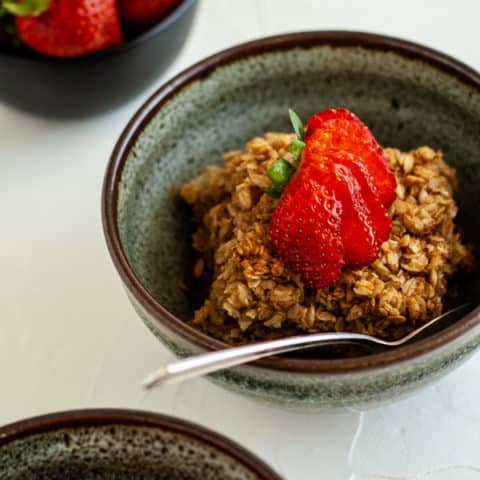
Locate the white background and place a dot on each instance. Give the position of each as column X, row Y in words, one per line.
column 70, row 339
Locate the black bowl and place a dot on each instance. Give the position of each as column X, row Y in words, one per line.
column 97, row 82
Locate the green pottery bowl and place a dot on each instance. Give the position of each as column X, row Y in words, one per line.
column 121, row 445
column 409, row 95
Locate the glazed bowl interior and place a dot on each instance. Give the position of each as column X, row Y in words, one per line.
column 121, row 445
column 407, row 95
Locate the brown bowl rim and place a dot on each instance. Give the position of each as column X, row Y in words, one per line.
column 202, row 69
column 134, row 418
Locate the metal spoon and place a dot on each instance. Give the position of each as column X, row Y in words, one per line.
column 213, row 361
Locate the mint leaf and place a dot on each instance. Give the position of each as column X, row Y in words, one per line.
column 297, row 125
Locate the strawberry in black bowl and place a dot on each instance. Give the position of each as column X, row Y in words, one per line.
column 78, row 57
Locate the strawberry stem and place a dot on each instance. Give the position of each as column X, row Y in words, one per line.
column 280, row 173
column 26, row 7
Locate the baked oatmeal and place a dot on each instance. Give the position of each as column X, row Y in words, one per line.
column 254, row 296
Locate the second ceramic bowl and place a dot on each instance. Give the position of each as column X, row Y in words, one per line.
column 121, row 445
column 409, row 95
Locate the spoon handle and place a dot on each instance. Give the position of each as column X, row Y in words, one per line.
column 211, row 362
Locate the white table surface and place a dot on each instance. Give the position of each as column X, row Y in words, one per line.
column 70, row 339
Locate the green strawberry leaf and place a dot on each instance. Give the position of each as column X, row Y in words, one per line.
column 26, row 7
column 296, row 148
column 297, row 125
column 280, row 172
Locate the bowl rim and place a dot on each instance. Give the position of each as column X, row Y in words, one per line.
column 101, row 55
column 335, row 38
column 99, row 417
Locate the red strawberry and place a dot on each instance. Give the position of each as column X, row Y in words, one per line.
column 142, row 14
column 365, row 224
column 306, row 226
column 349, row 133
column 330, row 214
column 69, row 28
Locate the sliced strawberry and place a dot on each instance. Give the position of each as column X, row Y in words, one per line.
column 342, row 130
column 306, row 220
column 365, row 224
column 331, row 212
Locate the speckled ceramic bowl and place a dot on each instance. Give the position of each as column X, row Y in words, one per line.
column 121, row 445
column 409, row 96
